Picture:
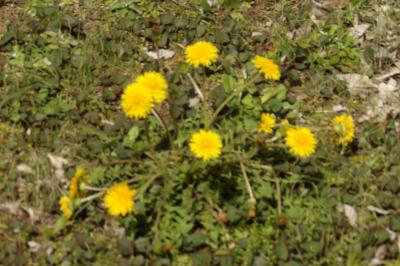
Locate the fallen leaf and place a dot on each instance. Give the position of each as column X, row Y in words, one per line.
column 162, row 54
column 392, row 234
column 385, row 53
column 359, row 30
column 59, row 173
column 30, row 212
column 356, row 83
column 47, row 61
column 350, row 213
column 398, row 243
column 339, row 108
column 394, row 71
column 256, row 33
column 57, row 161
column 23, row 168
column 11, row 207
column 376, row 262
column 34, row 246
column 386, row 90
column 107, row 122
column 381, row 252
column 213, row 2
column 338, row 3
column 386, row 102
column 377, row 210
column 193, row 101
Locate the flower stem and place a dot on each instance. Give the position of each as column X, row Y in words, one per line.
column 164, row 126
column 94, row 188
column 147, row 185
column 230, row 97
column 249, row 189
column 278, row 195
column 203, row 98
column 93, row 196
column 252, row 201
column 196, row 87
column 146, row 130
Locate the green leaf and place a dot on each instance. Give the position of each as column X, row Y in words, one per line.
column 200, row 30
column 221, row 37
column 8, row 36
column 125, row 246
column 201, row 259
column 265, row 190
column 369, row 54
column 97, row 175
column 232, row 3
column 275, row 105
column 60, row 224
column 120, row 4
column 281, row 250
column 313, row 247
column 248, row 101
column 131, row 137
column 167, row 19
column 228, row 82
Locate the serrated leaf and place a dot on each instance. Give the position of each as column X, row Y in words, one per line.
column 131, row 137
column 281, row 250
column 60, row 224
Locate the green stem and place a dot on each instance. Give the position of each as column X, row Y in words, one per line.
column 146, row 131
column 278, row 195
column 174, row 120
column 147, row 185
column 93, row 196
column 163, row 125
column 94, row 188
column 249, row 189
column 230, row 97
column 203, row 99
column 196, row 87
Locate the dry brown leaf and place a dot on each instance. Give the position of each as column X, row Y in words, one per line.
column 350, row 213
column 162, row 54
column 359, row 30
column 23, row 168
column 378, row 210
column 57, row 161
column 357, row 84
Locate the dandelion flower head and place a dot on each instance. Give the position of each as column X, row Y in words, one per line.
column 156, row 85
column 267, row 67
column 119, row 199
column 267, row 123
column 206, row 144
column 201, row 53
column 344, row 128
column 301, row 141
column 73, row 186
column 66, row 206
column 137, row 101
column 284, row 125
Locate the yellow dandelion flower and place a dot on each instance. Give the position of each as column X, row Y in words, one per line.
column 155, row 83
column 301, row 141
column 284, row 125
column 267, row 67
column 201, row 53
column 344, row 128
column 136, row 101
column 206, row 144
column 66, row 206
column 119, row 199
column 267, row 123
column 73, row 186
